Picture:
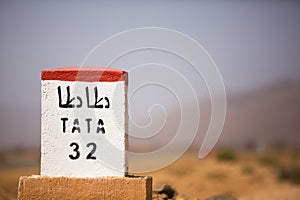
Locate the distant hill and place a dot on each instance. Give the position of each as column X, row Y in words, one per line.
column 258, row 119
column 268, row 117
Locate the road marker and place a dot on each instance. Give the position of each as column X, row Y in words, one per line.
column 84, row 126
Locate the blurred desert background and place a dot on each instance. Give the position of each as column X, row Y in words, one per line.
column 255, row 46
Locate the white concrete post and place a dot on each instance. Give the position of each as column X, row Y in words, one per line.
column 84, row 122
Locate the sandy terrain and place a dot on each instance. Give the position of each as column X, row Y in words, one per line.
column 246, row 178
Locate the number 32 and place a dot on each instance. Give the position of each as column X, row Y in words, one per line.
column 76, row 151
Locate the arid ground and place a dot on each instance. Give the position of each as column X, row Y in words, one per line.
column 270, row 175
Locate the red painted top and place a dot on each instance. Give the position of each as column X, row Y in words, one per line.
column 85, row 74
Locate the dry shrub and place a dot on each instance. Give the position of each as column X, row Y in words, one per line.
column 291, row 174
column 267, row 160
column 226, row 155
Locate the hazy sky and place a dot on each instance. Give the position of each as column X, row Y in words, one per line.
column 253, row 43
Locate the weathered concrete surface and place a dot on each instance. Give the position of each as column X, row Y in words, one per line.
column 125, row 188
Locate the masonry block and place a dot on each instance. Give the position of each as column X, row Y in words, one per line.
column 108, row 188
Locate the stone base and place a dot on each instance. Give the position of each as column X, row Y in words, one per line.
column 44, row 187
